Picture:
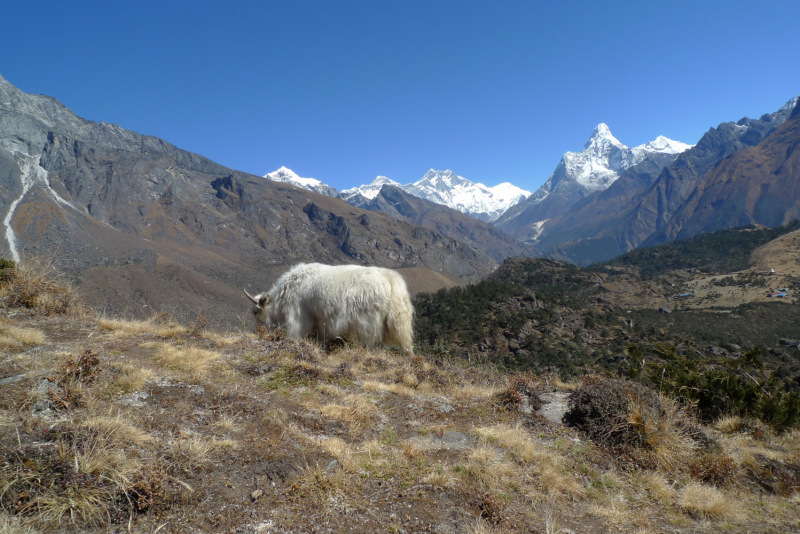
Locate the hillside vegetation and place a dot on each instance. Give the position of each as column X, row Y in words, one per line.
column 722, row 251
column 153, row 426
column 541, row 315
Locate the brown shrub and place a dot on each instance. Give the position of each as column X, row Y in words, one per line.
column 147, row 489
column 715, row 468
column 85, row 369
column 602, row 410
column 491, row 508
column 36, row 286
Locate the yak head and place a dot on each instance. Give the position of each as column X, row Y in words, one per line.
column 260, row 311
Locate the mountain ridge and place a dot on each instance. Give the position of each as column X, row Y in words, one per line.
column 643, row 199
column 151, row 225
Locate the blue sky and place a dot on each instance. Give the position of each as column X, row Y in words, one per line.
column 344, row 91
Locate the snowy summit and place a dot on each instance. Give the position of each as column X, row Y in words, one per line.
column 604, row 157
column 288, row 176
column 447, row 188
column 368, row 191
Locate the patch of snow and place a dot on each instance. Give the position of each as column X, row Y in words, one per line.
column 370, row 190
column 288, row 176
column 664, row 145
column 536, row 229
column 31, row 173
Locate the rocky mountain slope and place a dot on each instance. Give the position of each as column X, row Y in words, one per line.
column 403, row 206
column 140, row 224
column 449, row 189
column 579, row 174
column 638, row 207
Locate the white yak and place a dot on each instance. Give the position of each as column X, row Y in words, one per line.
column 369, row 305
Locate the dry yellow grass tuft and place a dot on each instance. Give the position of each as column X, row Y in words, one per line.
column 487, row 466
column 355, row 410
column 472, row 392
column 541, row 469
column 374, row 386
column 36, row 285
column 343, row 453
column 615, row 513
column 131, row 378
column 729, row 424
column 117, row 431
column 104, row 472
column 665, row 436
column 708, row 502
column 194, row 361
column 12, row 525
column 441, row 476
column 515, row 440
column 658, row 488
column 125, row 328
column 12, row 336
column 320, row 486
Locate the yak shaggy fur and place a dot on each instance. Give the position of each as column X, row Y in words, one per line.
column 369, row 305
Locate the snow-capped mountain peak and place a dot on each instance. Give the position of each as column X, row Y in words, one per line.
column 369, row 191
column 664, row 145
column 448, row 188
column 602, row 137
column 604, row 157
column 288, row 176
column 474, row 199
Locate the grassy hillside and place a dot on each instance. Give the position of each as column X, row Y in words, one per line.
column 722, row 251
column 541, row 314
column 154, row 426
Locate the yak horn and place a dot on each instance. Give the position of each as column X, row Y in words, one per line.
column 251, row 297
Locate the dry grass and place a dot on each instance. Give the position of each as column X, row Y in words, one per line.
column 472, row 392
column 441, row 476
column 708, row 502
column 321, row 486
column 658, row 488
column 487, row 466
column 390, row 451
column 117, row 431
column 192, row 452
column 37, row 286
column 665, row 436
column 131, row 378
column 373, row 386
column 540, row 469
column 729, row 424
column 343, row 453
column 13, row 336
column 128, row 328
column 355, row 410
column 193, row 361
column 615, row 513
column 93, row 474
column 13, row 525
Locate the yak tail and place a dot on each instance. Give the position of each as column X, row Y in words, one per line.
column 400, row 317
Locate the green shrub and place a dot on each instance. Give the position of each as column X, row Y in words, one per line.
column 723, row 386
column 7, row 268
